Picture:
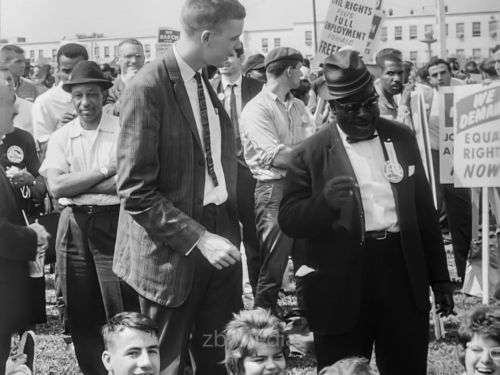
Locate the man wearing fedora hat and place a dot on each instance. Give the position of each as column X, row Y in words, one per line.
column 80, row 167
column 254, row 67
column 358, row 194
column 272, row 124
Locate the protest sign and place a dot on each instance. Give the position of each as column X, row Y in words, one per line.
column 166, row 37
column 350, row 23
column 477, row 136
column 446, row 134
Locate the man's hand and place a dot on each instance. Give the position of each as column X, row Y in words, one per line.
column 406, row 93
column 220, row 252
column 42, row 237
column 67, row 117
column 19, row 177
column 338, row 190
column 443, row 296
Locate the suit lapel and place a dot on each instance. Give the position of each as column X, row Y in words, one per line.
column 181, row 93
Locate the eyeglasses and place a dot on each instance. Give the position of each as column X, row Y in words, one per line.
column 494, row 353
column 369, row 103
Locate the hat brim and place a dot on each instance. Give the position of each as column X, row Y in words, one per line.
column 254, row 67
column 103, row 82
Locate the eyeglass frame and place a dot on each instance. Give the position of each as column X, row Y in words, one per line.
column 471, row 347
column 357, row 106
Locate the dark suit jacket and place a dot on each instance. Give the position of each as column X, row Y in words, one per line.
column 249, row 88
column 161, row 179
column 17, row 247
column 335, row 237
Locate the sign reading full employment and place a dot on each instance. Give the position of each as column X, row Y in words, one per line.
column 477, row 136
column 350, row 23
column 166, row 37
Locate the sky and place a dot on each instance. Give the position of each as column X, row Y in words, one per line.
column 51, row 20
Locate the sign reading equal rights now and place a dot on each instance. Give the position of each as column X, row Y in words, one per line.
column 477, row 136
column 350, row 23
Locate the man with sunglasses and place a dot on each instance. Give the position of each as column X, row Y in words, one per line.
column 357, row 193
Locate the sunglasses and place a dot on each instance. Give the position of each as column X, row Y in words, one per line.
column 369, row 103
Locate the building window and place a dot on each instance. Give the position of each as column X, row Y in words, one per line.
column 115, row 51
column 32, row 55
column 308, row 37
column 54, row 54
column 265, row 44
column 398, row 32
column 460, row 30
column 383, row 34
column 413, row 31
column 106, row 51
column 446, row 29
column 413, row 56
column 147, row 50
column 476, row 28
column 476, row 53
column 40, row 53
column 96, row 52
column 277, row 42
column 460, row 51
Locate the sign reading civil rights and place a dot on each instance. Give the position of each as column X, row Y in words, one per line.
column 477, row 136
column 350, row 23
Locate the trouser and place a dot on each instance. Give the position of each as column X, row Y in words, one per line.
column 388, row 317
column 4, row 350
column 197, row 326
column 458, row 207
column 275, row 245
column 92, row 292
column 246, row 212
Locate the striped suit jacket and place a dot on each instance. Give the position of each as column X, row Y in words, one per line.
column 161, row 179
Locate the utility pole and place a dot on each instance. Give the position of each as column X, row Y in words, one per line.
column 315, row 27
column 441, row 25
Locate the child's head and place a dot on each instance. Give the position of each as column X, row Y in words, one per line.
column 348, row 366
column 256, row 343
column 131, row 344
column 479, row 335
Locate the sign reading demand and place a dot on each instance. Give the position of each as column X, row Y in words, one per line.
column 350, row 23
column 477, row 136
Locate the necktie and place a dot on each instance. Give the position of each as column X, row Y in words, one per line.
column 205, row 129
column 353, row 140
column 234, row 119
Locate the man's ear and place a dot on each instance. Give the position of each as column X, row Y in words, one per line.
column 205, row 37
column 106, row 360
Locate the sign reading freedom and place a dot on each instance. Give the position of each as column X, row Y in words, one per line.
column 477, row 136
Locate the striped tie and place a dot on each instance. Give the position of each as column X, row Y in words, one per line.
column 205, row 129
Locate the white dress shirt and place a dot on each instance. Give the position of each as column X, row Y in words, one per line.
column 367, row 160
column 213, row 194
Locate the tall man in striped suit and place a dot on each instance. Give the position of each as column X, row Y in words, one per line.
column 177, row 170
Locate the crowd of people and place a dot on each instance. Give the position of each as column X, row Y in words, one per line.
column 156, row 177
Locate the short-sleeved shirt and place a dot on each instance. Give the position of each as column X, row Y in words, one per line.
column 74, row 149
column 24, row 118
column 268, row 124
column 48, row 110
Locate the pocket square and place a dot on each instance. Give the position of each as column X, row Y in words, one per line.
column 411, row 170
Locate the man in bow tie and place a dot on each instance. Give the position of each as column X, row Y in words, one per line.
column 356, row 192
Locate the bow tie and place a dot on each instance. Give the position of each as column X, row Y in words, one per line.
column 353, row 140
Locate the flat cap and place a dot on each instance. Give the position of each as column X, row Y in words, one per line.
column 254, row 62
column 345, row 74
column 283, row 53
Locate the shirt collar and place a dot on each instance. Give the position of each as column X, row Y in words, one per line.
column 275, row 98
column 187, row 73
column 225, row 81
column 76, row 127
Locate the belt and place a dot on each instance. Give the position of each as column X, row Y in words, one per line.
column 93, row 209
column 381, row 235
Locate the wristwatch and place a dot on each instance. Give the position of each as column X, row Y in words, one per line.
column 105, row 172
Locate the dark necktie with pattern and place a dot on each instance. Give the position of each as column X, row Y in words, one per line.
column 205, row 129
column 234, row 119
